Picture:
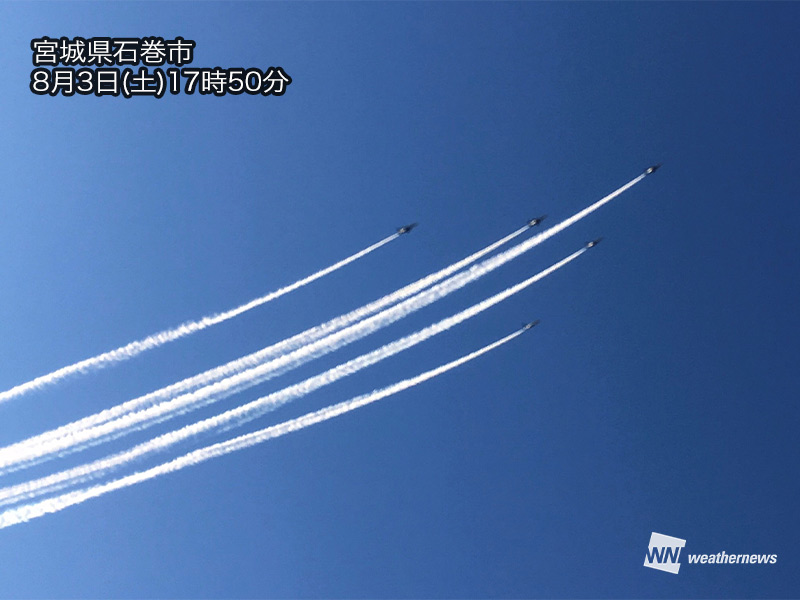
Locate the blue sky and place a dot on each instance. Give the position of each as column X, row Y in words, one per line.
column 658, row 394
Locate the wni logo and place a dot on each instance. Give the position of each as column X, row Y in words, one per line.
column 663, row 553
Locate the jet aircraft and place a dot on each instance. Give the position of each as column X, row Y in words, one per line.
column 652, row 169
column 406, row 228
column 536, row 221
column 594, row 243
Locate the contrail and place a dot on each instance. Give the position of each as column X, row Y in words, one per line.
column 203, row 379
column 27, row 512
column 169, row 335
column 154, row 414
column 252, row 410
column 260, row 373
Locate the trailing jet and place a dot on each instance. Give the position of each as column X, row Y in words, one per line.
column 406, row 228
column 530, row 325
column 536, row 221
column 652, row 169
column 593, row 243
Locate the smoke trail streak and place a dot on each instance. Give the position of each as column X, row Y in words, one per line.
column 158, row 413
column 159, row 339
column 203, row 379
column 193, row 400
column 252, row 410
column 27, row 512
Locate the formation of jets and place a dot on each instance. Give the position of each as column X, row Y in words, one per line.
column 532, row 223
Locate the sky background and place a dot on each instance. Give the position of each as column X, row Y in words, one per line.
column 659, row 393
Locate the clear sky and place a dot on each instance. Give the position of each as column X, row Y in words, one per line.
column 659, row 393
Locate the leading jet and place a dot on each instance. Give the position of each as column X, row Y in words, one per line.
column 652, row 169
column 594, row 243
column 530, row 325
column 406, row 228
column 536, row 221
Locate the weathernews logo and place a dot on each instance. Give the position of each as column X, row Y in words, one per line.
column 664, row 552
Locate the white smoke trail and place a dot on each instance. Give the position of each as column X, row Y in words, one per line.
column 27, row 512
column 159, row 339
column 154, row 414
column 79, row 439
column 247, row 412
column 16, row 452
